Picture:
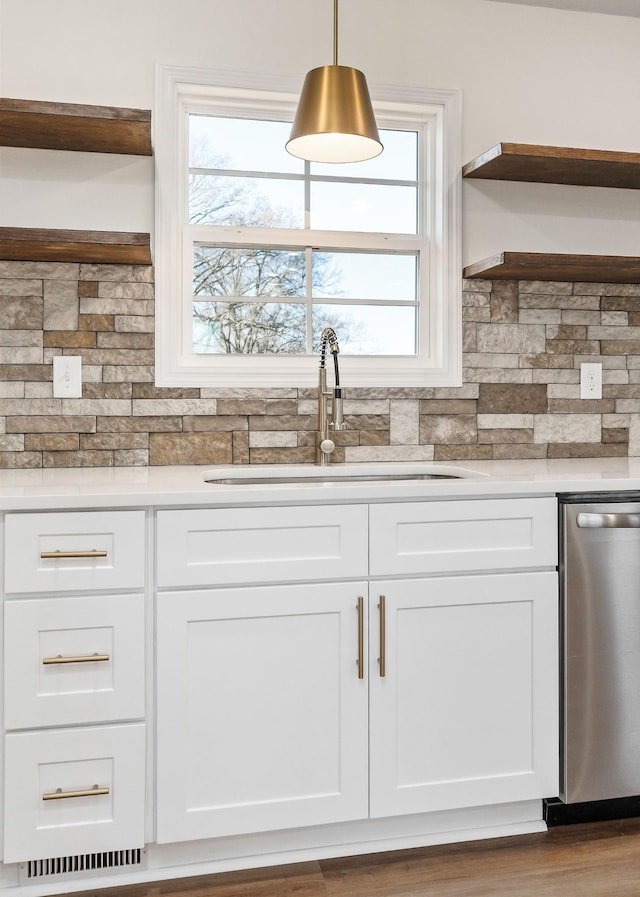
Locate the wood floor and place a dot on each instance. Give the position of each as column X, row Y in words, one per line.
column 592, row 860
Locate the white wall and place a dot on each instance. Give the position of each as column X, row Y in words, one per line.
column 528, row 74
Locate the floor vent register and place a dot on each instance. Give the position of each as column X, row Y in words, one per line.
column 82, row 863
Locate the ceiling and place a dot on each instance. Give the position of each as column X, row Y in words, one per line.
column 612, row 7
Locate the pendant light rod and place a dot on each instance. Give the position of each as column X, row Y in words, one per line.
column 335, row 32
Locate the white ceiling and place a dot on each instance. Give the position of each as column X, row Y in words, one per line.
column 612, row 7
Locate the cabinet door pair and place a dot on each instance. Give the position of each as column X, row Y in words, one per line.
column 273, row 713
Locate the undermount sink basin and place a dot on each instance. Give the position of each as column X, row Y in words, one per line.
column 384, row 473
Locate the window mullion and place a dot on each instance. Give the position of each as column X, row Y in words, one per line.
column 307, row 195
column 227, row 235
column 309, row 298
column 382, row 303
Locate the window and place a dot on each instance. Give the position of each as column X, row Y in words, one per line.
column 257, row 251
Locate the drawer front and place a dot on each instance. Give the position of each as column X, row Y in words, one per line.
column 208, row 547
column 84, row 550
column 73, row 660
column 46, row 777
column 456, row 536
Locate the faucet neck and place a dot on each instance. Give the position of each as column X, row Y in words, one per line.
column 324, row 445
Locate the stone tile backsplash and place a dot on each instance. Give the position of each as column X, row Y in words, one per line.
column 523, row 344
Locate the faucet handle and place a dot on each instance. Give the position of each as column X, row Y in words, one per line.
column 327, row 446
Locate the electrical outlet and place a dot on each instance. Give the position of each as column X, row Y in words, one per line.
column 67, row 376
column 590, row 381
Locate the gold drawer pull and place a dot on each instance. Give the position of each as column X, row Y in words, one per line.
column 360, row 638
column 59, row 794
column 382, row 660
column 94, row 553
column 82, row 658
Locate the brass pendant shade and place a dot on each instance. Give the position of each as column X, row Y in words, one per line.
column 334, row 121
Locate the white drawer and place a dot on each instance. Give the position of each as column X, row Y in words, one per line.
column 456, row 536
column 208, row 547
column 81, row 550
column 64, row 762
column 51, row 676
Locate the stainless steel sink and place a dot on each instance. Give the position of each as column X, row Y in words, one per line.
column 276, row 476
column 330, row 478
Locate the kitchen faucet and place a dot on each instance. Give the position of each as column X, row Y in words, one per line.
column 325, row 445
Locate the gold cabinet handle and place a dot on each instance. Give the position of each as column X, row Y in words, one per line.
column 382, row 660
column 94, row 553
column 82, row 658
column 360, row 638
column 59, row 794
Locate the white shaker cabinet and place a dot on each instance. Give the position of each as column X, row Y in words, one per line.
column 74, row 551
column 73, row 791
column 262, row 719
column 327, row 679
column 261, row 716
column 74, row 660
column 466, row 713
column 444, row 537
column 232, row 546
column 464, row 710
column 74, row 654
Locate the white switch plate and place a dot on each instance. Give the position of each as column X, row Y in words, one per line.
column 590, row 381
column 67, row 376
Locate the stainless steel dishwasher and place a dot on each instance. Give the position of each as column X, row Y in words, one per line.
column 600, row 576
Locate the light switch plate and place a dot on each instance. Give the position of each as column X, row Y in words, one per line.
column 67, row 377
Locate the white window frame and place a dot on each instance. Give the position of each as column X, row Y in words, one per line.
column 180, row 91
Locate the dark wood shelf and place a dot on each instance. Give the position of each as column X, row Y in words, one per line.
column 556, row 165
column 90, row 247
column 66, row 126
column 557, row 266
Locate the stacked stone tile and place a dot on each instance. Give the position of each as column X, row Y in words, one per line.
column 523, row 345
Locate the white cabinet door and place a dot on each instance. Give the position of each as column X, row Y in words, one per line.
column 262, row 719
column 467, row 711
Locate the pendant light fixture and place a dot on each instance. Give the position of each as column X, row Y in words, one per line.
column 334, row 121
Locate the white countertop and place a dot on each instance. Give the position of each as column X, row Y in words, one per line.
column 48, row 489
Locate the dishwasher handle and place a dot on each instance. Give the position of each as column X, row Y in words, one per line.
column 589, row 520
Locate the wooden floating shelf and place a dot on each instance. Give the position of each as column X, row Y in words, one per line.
column 556, row 266
column 90, row 247
column 66, row 126
column 556, row 165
